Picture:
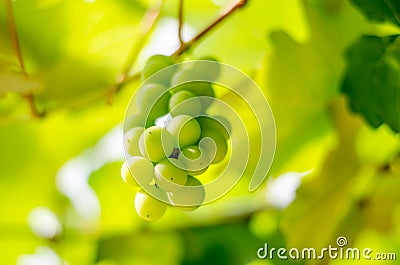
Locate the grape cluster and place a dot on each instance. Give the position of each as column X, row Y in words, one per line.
column 170, row 141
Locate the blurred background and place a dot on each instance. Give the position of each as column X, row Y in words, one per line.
column 335, row 96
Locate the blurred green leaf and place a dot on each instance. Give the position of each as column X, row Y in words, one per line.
column 116, row 200
column 143, row 248
column 251, row 26
column 74, row 51
column 301, row 79
column 77, row 57
column 71, row 82
column 32, row 152
column 372, row 79
column 324, row 200
column 381, row 10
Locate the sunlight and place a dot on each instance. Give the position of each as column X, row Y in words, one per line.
column 42, row 256
column 44, row 223
column 72, row 178
column 281, row 191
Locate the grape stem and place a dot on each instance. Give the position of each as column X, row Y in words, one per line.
column 175, row 153
column 180, row 22
column 35, row 112
column 186, row 45
column 146, row 26
column 148, row 23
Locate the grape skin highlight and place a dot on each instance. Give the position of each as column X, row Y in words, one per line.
column 185, row 103
column 195, row 159
column 149, row 208
column 154, row 141
column 153, row 100
column 169, row 176
column 188, row 200
column 185, row 130
column 219, row 147
column 155, row 64
column 131, row 141
column 137, row 171
column 217, row 123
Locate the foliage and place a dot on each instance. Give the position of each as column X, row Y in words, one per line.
column 371, row 81
column 380, row 11
column 61, row 133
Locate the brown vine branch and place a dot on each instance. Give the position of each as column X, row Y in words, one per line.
column 32, row 106
column 180, row 21
column 186, row 45
column 14, row 36
column 145, row 27
column 17, row 48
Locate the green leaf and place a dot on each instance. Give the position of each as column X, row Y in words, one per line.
column 116, row 199
column 251, row 27
column 372, row 80
column 380, row 11
column 327, row 195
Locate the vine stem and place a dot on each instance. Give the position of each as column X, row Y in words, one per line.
column 14, row 36
column 180, row 22
column 17, row 48
column 145, row 27
column 186, row 45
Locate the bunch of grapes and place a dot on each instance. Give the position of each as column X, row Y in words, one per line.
column 170, row 141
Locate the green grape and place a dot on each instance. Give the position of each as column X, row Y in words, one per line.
column 188, row 200
column 153, row 99
column 156, row 143
column 131, row 141
column 134, row 120
column 185, row 130
column 214, row 123
column 149, row 208
column 156, row 63
column 218, row 149
column 157, row 112
column 208, row 71
column 186, row 80
column 169, row 176
column 126, row 175
column 184, row 102
column 221, row 121
column 137, row 171
column 195, row 159
column 192, row 81
column 198, row 88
